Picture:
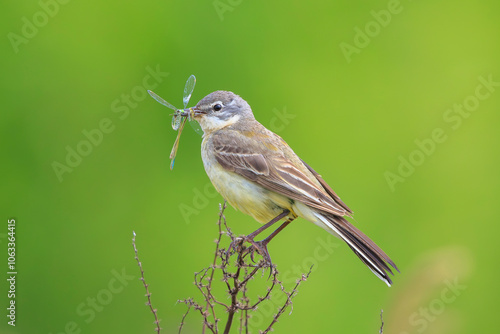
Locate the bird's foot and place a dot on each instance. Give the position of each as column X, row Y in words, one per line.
column 256, row 246
column 261, row 248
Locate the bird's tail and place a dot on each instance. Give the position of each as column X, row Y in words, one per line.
column 362, row 246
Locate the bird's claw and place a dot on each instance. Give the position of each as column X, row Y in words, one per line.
column 255, row 246
column 261, row 248
column 236, row 245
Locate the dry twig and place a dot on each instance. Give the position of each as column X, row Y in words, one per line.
column 146, row 286
column 235, row 277
column 381, row 331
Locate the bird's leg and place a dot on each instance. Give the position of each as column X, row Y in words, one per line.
column 261, row 246
column 267, row 225
column 278, row 230
column 251, row 236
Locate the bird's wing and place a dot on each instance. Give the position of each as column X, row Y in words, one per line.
column 262, row 162
column 327, row 188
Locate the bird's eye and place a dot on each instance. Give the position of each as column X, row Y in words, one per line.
column 217, row 107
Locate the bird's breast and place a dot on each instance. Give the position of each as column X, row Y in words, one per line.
column 244, row 195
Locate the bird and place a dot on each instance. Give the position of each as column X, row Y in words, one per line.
column 259, row 174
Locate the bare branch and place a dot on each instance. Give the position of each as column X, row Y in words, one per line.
column 185, row 314
column 288, row 300
column 381, row 331
column 237, row 268
column 146, row 286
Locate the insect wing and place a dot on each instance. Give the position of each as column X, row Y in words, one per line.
column 176, row 121
column 173, row 153
column 188, row 90
column 161, row 100
column 196, row 127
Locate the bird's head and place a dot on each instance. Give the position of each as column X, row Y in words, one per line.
column 218, row 110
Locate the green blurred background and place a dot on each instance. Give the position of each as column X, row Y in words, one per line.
column 352, row 115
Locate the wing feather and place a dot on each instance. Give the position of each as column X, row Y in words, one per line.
column 264, row 163
column 327, row 188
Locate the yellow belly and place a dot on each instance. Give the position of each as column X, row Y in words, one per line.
column 244, row 195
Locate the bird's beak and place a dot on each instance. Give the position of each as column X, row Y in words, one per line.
column 192, row 112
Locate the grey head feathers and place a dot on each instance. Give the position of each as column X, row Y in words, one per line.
column 224, row 105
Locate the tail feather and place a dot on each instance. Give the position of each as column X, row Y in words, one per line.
column 367, row 251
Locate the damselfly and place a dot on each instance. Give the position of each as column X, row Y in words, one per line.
column 179, row 121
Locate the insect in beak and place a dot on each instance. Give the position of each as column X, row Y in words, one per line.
column 190, row 113
column 180, row 116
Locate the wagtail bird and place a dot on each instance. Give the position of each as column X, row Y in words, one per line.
column 259, row 174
